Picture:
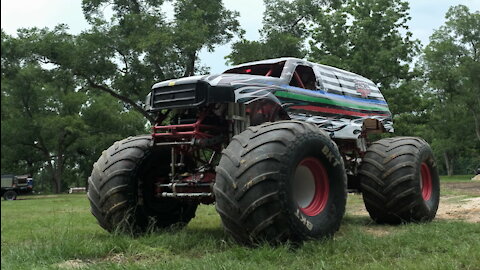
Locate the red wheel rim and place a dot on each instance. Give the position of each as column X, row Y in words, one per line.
column 311, row 186
column 426, row 182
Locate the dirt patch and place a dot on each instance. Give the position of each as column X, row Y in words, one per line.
column 357, row 210
column 456, row 208
column 356, row 207
column 451, row 207
column 120, row 258
column 116, row 258
column 380, row 230
column 468, row 188
column 73, row 264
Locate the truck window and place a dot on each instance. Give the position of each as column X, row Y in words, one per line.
column 304, row 77
column 268, row 70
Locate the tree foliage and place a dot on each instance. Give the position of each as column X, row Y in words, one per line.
column 122, row 55
column 49, row 118
column 202, row 24
column 368, row 37
column 40, row 113
column 284, row 31
column 452, row 67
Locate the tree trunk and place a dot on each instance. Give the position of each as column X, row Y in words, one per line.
column 448, row 163
column 57, row 179
column 60, row 161
column 190, row 67
column 51, row 172
column 477, row 124
column 30, row 168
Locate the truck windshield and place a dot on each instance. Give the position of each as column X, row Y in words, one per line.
column 269, row 70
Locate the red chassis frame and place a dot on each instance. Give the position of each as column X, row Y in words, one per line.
column 190, row 142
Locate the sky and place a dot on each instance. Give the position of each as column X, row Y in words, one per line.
column 427, row 15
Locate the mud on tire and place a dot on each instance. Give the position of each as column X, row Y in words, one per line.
column 121, row 189
column 280, row 181
column 399, row 181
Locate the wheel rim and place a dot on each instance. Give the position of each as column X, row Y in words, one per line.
column 311, row 188
column 426, row 182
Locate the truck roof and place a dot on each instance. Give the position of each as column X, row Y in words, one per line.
column 294, row 60
column 333, row 80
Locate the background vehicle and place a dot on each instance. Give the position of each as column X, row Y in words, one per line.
column 13, row 185
column 274, row 144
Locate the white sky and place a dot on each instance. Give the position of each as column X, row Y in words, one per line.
column 427, row 15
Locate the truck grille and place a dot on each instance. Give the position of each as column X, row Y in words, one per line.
column 178, row 96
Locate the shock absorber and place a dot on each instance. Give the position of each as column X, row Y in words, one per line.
column 172, row 163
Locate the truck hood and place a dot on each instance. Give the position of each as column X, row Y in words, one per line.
column 222, row 80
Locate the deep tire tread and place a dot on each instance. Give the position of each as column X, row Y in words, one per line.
column 114, row 193
column 253, row 208
column 258, row 179
column 389, row 176
column 258, row 203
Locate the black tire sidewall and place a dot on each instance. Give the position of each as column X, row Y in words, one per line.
column 124, row 171
column 427, row 209
column 392, row 181
column 10, row 195
column 322, row 148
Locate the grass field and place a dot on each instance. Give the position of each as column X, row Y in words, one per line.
column 457, row 178
column 58, row 232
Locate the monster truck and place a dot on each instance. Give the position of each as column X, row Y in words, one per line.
column 275, row 145
column 13, row 185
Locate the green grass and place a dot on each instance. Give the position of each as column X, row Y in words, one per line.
column 456, row 178
column 58, row 232
column 447, row 182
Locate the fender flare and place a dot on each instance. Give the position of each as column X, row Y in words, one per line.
column 265, row 110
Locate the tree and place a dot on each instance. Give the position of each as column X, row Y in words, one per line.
column 368, row 37
column 452, row 136
column 452, row 66
column 16, row 158
column 202, row 24
column 285, row 29
column 152, row 49
column 106, row 121
column 365, row 37
column 125, row 54
column 274, row 46
column 452, row 61
column 50, row 123
column 411, row 104
column 42, row 118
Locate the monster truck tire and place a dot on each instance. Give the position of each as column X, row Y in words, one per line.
column 399, row 181
column 280, row 181
column 10, row 195
column 121, row 189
